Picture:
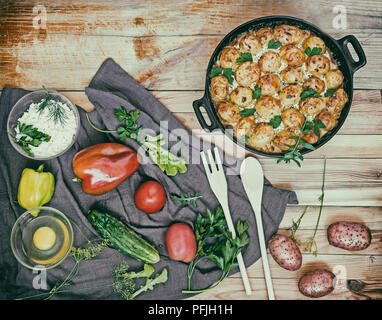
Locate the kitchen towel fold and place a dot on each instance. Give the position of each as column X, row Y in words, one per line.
column 111, row 88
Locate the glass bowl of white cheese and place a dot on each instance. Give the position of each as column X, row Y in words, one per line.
column 43, row 124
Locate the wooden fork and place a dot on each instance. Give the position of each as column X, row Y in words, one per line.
column 218, row 183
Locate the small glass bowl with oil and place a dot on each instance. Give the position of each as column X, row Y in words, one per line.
column 44, row 241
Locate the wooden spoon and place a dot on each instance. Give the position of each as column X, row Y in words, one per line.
column 252, row 177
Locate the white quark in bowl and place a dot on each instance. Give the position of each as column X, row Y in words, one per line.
column 43, row 125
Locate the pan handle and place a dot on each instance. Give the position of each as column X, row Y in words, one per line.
column 354, row 65
column 203, row 102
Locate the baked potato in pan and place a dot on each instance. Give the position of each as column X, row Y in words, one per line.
column 281, row 67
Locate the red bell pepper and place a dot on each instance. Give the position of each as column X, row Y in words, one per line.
column 104, row 166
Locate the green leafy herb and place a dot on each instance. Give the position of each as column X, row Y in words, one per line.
column 92, row 250
column 256, row 93
column 30, row 136
column 187, row 199
column 247, row 112
column 124, row 282
column 309, row 93
column 318, row 124
column 123, row 279
column 330, row 92
column 294, row 154
column 273, row 44
column 245, row 56
column 166, row 161
column 311, row 52
column 130, row 128
column 244, row 139
column 55, row 111
column 227, row 72
column 275, row 122
column 296, row 225
column 216, row 243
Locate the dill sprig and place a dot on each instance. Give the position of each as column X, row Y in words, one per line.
column 55, row 111
column 310, row 245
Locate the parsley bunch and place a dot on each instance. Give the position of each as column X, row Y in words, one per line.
column 215, row 242
column 163, row 158
column 30, row 136
column 294, row 154
column 227, row 72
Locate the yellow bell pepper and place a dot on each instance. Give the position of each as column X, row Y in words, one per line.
column 36, row 188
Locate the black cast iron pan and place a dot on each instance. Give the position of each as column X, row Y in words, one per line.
column 340, row 53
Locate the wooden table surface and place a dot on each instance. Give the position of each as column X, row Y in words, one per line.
column 166, row 46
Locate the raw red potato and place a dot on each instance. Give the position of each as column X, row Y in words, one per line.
column 352, row 236
column 150, row 197
column 285, row 252
column 317, row 283
column 181, row 242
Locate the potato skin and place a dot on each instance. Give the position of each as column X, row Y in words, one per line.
column 283, row 140
column 247, row 73
column 219, row 88
column 292, row 118
column 270, row 62
column 336, row 102
column 290, row 95
column 334, row 79
column 269, row 84
column 261, row 136
column 318, row 65
column 244, row 127
column 351, row 236
column 265, row 35
column 292, row 55
column 312, row 105
column 314, row 83
column 268, row 107
column 228, row 57
column 317, row 283
column 250, row 43
column 241, row 96
column 314, row 42
column 287, row 34
column 292, row 75
column 285, row 252
column 228, row 112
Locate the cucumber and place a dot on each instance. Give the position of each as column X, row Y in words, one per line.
column 122, row 237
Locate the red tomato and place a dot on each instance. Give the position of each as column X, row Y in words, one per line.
column 181, row 242
column 150, row 197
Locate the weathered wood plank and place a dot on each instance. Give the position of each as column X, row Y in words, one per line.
column 336, row 193
column 324, row 248
column 365, row 115
column 371, row 216
column 136, row 18
column 285, row 289
column 365, row 267
column 158, row 63
column 340, row 146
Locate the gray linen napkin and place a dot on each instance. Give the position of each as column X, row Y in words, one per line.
column 111, row 88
